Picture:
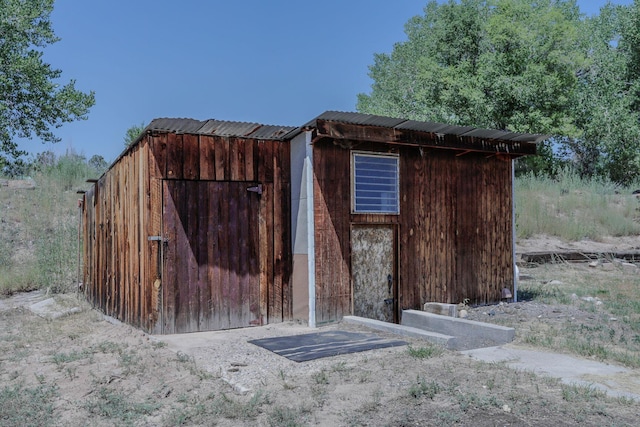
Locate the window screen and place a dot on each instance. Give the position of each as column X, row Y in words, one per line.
column 375, row 183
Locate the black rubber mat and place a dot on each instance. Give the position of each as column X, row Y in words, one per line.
column 301, row 348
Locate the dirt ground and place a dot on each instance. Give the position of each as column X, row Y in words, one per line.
column 91, row 371
column 85, row 369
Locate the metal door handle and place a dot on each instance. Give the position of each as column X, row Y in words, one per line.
column 390, row 280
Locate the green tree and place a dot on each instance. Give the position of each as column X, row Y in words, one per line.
column 607, row 102
column 32, row 101
column 503, row 64
column 133, row 133
column 98, row 163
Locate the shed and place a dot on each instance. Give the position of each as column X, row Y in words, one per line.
column 189, row 229
column 391, row 213
column 210, row 225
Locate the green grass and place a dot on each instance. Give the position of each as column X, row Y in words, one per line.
column 424, row 388
column 574, row 209
column 608, row 328
column 22, row 406
column 116, row 406
column 424, row 352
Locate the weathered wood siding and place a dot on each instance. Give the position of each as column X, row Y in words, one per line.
column 118, row 267
column 123, row 268
column 454, row 227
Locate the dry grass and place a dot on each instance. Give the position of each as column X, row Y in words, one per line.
column 575, row 209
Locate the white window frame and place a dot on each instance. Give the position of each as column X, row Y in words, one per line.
column 354, row 155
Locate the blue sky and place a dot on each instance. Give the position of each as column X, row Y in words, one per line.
column 277, row 62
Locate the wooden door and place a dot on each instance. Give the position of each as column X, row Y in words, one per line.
column 211, row 268
column 373, row 272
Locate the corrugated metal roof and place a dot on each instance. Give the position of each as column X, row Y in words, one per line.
column 221, row 128
column 431, row 127
column 260, row 131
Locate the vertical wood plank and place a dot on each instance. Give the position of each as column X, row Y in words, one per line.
column 225, row 275
column 249, row 172
column 222, row 159
column 175, row 157
column 169, row 285
column 202, row 232
column 207, row 158
column 191, row 157
column 278, row 255
column 263, row 253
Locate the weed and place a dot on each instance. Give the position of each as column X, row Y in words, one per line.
column 364, row 376
column 108, row 347
column 70, row 372
column 424, row 352
column 62, row 358
column 321, row 377
column 117, row 406
column 339, row 367
column 374, row 404
column 319, row 394
column 158, row 344
column 21, row 406
column 129, row 361
column 448, row 418
column 473, row 400
column 424, row 388
column 231, row 408
column 574, row 392
column 183, row 357
column 287, row 417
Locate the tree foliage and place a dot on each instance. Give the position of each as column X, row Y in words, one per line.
column 535, row 67
column 607, row 103
column 32, row 100
column 133, row 133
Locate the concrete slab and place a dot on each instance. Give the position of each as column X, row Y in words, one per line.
column 440, row 308
column 469, row 334
column 446, row 341
column 52, row 309
column 616, row 381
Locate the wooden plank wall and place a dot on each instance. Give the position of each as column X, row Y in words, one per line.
column 229, row 159
column 117, row 254
column 454, row 227
column 124, row 208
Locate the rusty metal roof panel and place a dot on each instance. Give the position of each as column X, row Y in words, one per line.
column 272, row 132
column 422, row 126
column 433, row 127
column 226, row 128
column 221, row 128
column 175, row 125
column 356, row 119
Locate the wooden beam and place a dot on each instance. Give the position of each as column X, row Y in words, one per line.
column 353, row 132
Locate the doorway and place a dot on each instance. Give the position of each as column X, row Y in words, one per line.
column 373, row 261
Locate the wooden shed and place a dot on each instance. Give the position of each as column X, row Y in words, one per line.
column 189, row 229
column 389, row 214
column 210, row 225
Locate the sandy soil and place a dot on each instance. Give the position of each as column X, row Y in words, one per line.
column 543, row 243
column 83, row 369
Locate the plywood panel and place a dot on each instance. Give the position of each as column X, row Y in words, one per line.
column 373, row 260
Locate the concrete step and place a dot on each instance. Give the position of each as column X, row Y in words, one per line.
column 446, row 341
column 468, row 334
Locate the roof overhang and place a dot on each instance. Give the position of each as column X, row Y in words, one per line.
column 365, row 127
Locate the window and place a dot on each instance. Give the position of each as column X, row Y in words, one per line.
column 375, row 183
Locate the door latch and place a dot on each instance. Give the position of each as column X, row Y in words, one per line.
column 255, row 189
column 390, row 280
